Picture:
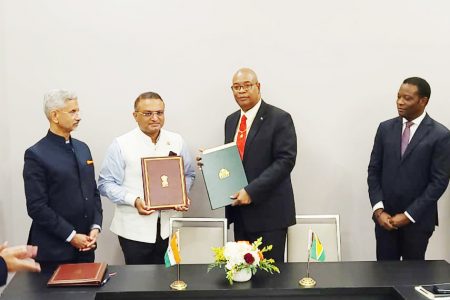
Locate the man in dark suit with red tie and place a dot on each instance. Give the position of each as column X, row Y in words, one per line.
column 266, row 139
column 408, row 172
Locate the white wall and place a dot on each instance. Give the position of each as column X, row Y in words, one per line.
column 335, row 66
column 4, row 153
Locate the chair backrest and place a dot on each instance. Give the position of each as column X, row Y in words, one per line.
column 327, row 229
column 198, row 236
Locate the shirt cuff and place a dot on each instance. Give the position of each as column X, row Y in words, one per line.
column 130, row 199
column 409, row 217
column 71, row 236
column 95, row 226
column 377, row 206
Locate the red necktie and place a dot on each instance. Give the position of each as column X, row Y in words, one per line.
column 242, row 135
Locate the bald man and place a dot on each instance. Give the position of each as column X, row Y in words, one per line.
column 267, row 142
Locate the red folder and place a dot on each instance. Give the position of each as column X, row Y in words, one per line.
column 164, row 182
column 82, row 274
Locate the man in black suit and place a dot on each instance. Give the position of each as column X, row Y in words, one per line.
column 408, row 172
column 60, row 188
column 267, row 142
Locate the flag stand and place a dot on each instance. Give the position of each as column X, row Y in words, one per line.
column 307, row 282
column 178, row 284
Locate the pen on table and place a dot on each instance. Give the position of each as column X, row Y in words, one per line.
column 108, row 277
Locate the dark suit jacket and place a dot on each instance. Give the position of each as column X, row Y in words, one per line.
column 269, row 157
column 3, row 272
column 61, row 195
column 415, row 182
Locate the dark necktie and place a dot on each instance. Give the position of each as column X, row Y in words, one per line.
column 242, row 136
column 405, row 136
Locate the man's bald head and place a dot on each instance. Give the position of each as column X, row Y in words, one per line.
column 245, row 72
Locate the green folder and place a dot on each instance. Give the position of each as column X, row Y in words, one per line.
column 223, row 173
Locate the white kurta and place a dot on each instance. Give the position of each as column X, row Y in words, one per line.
column 127, row 222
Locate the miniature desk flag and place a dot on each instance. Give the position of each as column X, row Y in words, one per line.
column 316, row 252
column 172, row 256
column 315, row 247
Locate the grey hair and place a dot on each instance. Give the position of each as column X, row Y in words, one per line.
column 55, row 99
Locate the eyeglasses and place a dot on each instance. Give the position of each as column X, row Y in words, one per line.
column 150, row 114
column 245, row 86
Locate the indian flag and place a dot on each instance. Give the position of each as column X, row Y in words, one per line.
column 172, row 256
column 315, row 247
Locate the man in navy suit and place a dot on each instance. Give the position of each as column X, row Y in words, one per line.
column 60, row 188
column 267, row 142
column 408, row 172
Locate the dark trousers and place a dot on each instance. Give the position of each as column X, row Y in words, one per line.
column 140, row 253
column 408, row 243
column 276, row 238
column 80, row 257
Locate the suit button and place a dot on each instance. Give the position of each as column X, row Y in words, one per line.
column 85, row 216
column 86, row 198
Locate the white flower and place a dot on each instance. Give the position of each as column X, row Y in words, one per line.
column 234, row 253
column 233, row 256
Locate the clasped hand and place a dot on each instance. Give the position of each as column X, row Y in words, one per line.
column 389, row 222
column 85, row 242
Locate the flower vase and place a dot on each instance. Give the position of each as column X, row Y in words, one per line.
column 242, row 275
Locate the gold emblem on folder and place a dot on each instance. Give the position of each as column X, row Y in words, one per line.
column 164, row 181
column 224, row 173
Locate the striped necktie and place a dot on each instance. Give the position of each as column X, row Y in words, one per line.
column 405, row 136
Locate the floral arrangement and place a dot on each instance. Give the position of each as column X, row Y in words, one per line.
column 237, row 256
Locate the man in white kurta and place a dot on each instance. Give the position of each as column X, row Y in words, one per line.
column 143, row 233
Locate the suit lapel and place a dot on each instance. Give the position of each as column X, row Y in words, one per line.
column 398, row 133
column 231, row 127
column 420, row 133
column 256, row 125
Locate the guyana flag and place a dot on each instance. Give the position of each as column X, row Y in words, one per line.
column 316, row 250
